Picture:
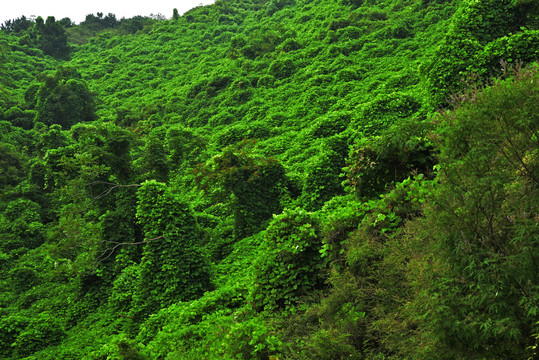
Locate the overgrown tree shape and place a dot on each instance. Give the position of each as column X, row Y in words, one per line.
column 172, row 267
column 11, row 167
column 64, row 99
column 291, row 264
column 483, row 33
column 52, row 38
column 153, row 162
column 21, row 226
column 258, row 186
column 294, row 75
column 381, row 161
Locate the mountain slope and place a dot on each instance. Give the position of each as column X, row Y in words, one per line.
column 274, row 180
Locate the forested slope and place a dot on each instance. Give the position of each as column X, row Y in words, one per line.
column 272, row 180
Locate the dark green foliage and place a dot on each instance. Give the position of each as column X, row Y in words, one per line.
column 11, row 166
column 127, row 352
column 20, row 226
column 64, row 99
column 483, row 218
column 258, row 185
column 183, row 145
column 17, row 26
column 378, row 162
column 98, row 21
column 52, row 38
column 23, row 336
column 51, row 137
column 11, row 327
column 353, row 3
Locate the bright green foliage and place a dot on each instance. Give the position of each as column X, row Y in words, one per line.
column 483, row 33
column 322, row 181
column 172, row 268
column 290, row 264
column 251, row 339
column 384, row 111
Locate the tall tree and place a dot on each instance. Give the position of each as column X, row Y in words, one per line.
column 64, row 99
column 172, row 268
column 52, row 38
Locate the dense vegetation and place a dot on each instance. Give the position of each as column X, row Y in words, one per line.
column 283, row 179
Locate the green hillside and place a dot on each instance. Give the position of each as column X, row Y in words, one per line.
column 272, row 179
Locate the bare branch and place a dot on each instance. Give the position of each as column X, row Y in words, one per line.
column 110, row 251
column 109, row 190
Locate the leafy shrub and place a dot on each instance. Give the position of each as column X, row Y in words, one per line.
column 181, row 328
column 483, row 221
column 258, row 185
column 330, row 124
column 265, row 81
column 289, row 45
column 11, row 326
column 250, row 339
column 11, row 165
column 383, row 111
column 21, row 226
column 322, row 180
column 477, row 24
column 123, row 288
column 290, row 264
column 222, row 118
column 43, row 331
column 281, row 69
column 377, row 162
column 511, row 49
column 353, row 3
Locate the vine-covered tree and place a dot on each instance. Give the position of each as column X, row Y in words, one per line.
column 52, row 38
column 172, row 267
column 64, row 99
